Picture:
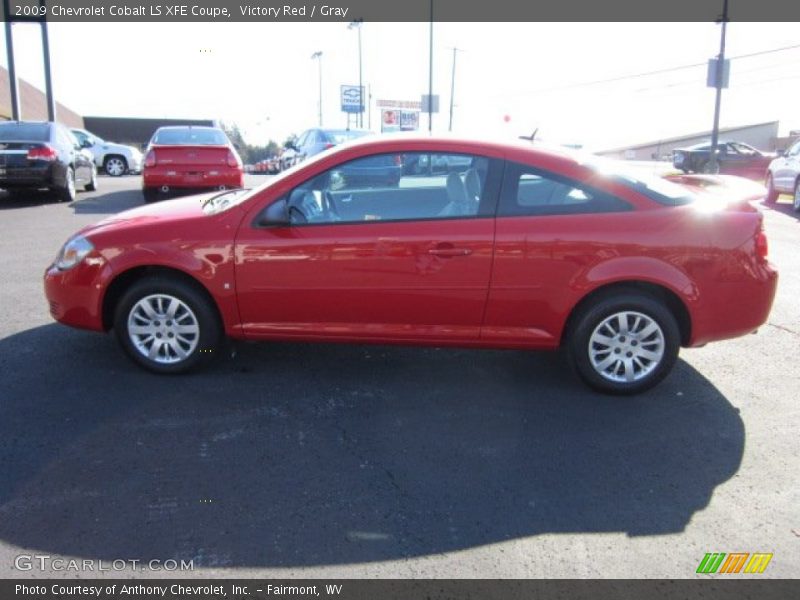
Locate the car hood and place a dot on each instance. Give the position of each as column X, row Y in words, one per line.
column 120, row 148
column 175, row 211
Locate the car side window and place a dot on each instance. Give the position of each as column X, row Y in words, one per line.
column 394, row 187
column 794, row 150
column 528, row 191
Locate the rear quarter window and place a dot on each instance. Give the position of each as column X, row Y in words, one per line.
column 528, row 191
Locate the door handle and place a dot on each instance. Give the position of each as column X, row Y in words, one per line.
column 449, row 251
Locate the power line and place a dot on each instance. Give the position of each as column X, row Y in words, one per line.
column 656, row 72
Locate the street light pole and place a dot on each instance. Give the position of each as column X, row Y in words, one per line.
column 713, row 163
column 318, row 55
column 357, row 25
column 453, row 88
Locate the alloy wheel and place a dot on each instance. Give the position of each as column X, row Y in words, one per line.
column 115, row 167
column 163, row 329
column 626, row 346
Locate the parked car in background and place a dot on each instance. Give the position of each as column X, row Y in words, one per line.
column 314, row 141
column 783, row 176
column 43, row 155
column 527, row 248
column 114, row 159
column 733, row 158
column 190, row 159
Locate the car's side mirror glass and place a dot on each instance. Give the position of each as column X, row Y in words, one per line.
column 275, row 215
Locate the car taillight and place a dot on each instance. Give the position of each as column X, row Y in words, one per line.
column 150, row 159
column 43, row 153
column 762, row 246
column 233, row 160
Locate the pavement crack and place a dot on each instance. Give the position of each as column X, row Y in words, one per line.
column 782, row 328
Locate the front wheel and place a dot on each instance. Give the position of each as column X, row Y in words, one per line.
column 115, row 166
column 67, row 193
column 166, row 325
column 796, row 201
column 624, row 343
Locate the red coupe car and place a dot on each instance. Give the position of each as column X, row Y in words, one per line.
column 190, row 158
column 523, row 247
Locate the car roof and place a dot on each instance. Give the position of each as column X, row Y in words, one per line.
column 165, row 127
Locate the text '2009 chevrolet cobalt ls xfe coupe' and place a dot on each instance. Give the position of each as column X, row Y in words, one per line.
column 521, row 247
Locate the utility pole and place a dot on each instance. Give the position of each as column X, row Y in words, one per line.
column 12, row 68
column 713, row 165
column 453, row 88
column 318, row 56
column 430, row 75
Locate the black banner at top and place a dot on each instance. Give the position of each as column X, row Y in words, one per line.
column 400, row 10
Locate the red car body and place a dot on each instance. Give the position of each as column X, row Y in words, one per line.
column 174, row 161
column 489, row 281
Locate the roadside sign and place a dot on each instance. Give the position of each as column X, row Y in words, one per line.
column 711, row 79
column 352, row 99
column 390, row 120
column 409, row 120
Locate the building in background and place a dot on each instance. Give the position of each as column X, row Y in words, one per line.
column 763, row 136
column 33, row 103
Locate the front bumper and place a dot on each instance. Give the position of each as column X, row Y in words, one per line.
column 75, row 296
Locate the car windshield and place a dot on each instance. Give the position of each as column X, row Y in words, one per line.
column 24, row 132
column 190, row 136
column 341, row 136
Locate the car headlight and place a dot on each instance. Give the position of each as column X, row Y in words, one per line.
column 73, row 252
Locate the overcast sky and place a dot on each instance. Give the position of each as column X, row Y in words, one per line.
column 261, row 75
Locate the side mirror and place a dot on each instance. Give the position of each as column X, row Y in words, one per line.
column 87, row 144
column 275, row 215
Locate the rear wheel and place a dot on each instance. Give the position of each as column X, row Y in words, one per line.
column 67, row 193
column 772, row 193
column 92, row 185
column 167, row 325
column 624, row 343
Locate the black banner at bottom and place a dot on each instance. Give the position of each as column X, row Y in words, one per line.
column 399, row 589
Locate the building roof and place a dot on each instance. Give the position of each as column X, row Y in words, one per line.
column 135, row 131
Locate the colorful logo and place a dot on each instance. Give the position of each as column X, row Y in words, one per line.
column 734, row 562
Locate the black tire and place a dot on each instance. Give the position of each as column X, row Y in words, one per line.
column 796, row 198
column 707, row 168
column 150, row 195
column 592, row 316
column 115, row 165
column 92, row 185
column 772, row 193
column 67, row 193
column 202, row 346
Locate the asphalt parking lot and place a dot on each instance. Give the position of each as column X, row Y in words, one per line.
column 305, row 460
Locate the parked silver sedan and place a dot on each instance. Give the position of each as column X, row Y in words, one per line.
column 783, row 176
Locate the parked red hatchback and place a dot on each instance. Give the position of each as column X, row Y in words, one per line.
column 190, row 158
column 523, row 247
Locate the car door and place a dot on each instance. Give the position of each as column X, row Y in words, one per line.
column 410, row 262
column 79, row 158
